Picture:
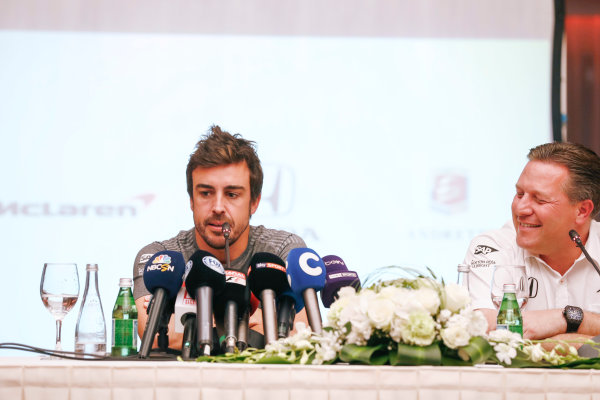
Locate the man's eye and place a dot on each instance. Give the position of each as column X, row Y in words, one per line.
column 519, row 194
column 204, row 193
column 233, row 195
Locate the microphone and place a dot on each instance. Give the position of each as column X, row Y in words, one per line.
column 288, row 305
column 234, row 300
column 243, row 332
column 205, row 278
column 235, row 296
column 337, row 276
column 306, row 276
column 185, row 321
column 163, row 275
column 577, row 239
column 266, row 278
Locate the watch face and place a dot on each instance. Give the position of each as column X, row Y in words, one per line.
column 574, row 313
column 573, row 316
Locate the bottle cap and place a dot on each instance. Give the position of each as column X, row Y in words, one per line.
column 125, row 282
column 91, row 267
column 509, row 288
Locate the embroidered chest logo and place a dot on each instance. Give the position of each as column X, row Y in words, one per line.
column 481, row 249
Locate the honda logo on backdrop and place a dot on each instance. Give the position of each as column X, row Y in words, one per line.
column 278, row 191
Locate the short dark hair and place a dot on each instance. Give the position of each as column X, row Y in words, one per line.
column 583, row 165
column 219, row 147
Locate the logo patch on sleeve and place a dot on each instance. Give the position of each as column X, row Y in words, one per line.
column 144, row 258
column 481, row 249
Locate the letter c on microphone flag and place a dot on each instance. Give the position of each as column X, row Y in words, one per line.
column 305, row 269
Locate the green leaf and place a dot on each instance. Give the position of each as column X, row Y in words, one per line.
column 477, row 351
column 371, row 355
column 273, row 360
column 416, row 355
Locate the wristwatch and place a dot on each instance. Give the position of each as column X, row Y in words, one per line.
column 573, row 315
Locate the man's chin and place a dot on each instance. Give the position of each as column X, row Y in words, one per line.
column 214, row 244
column 526, row 244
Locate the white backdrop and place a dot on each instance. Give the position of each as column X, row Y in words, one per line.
column 381, row 150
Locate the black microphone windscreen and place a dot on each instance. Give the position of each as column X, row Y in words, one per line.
column 205, row 270
column 235, row 290
column 574, row 235
column 267, row 271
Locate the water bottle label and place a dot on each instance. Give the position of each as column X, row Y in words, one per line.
column 125, row 332
column 502, row 326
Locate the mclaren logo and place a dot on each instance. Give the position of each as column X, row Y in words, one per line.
column 481, row 249
column 129, row 208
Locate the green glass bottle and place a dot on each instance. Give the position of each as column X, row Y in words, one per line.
column 509, row 315
column 124, row 322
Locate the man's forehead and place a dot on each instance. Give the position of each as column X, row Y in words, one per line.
column 229, row 175
column 542, row 174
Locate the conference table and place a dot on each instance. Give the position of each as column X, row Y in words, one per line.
column 35, row 378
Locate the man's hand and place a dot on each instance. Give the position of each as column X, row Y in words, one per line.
column 175, row 339
column 543, row 324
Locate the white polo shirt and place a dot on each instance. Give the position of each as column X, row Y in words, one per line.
column 579, row 286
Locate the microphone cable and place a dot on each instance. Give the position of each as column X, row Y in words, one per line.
column 71, row 355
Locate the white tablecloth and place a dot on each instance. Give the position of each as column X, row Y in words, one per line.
column 31, row 378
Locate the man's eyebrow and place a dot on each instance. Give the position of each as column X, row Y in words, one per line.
column 228, row 187
column 235, row 187
column 535, row 192
column 204, row 186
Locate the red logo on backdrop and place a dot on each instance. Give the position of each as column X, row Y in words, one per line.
column 449, row 194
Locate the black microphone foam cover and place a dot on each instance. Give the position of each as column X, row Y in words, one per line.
column 235, row 290
column 205, row 270
column 267, row 271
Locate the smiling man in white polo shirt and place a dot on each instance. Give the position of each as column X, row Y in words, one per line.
column 558, row 191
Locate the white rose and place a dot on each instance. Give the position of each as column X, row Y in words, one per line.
column 346, row 291
column 455, row 336
column 428, row 298
column 381, row 312
column 456, row 297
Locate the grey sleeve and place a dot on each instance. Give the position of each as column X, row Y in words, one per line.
column 139, row 289
column 291, row 242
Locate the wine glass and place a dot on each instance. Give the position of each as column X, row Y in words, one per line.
column 59, row 289
column 503, row 274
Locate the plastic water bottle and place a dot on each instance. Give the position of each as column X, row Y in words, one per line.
column 509, row 315
column 124, row 322
column 90, row 332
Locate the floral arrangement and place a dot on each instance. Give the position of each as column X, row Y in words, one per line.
column 416, row 321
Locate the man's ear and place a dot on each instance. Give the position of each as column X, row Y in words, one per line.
column 254, row 205
column 584, row 210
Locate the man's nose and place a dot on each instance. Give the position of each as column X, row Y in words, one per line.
column 219, row 204
column 523, row 205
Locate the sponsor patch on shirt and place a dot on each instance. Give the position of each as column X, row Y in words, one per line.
column 481, row 249
column 144, row 258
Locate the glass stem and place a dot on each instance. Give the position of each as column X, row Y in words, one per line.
column 58, row 331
